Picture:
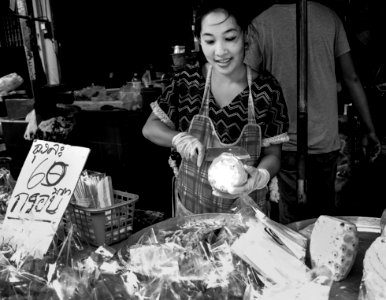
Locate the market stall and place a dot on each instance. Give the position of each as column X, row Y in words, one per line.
column 56, row 243
column 53, row 247
column 162, row 262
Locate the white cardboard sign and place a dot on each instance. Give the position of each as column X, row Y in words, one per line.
column 41, row 195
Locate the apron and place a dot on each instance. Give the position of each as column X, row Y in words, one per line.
column 193, row 190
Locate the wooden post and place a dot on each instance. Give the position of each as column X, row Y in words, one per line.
column 26, row 33
column 302, row 126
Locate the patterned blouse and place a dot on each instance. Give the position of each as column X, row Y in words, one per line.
column 182, row 99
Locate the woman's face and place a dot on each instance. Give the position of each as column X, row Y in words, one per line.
column 222, row 41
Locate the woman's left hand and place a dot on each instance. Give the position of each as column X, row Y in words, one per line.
column 257, row 179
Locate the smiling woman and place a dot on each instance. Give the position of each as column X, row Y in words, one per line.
column 221, row 103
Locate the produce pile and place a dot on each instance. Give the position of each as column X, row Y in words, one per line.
column 7, row 183
column 244, row 255
column 70, row 270
column 192, row 262
column 175, row 268
column 223, row 258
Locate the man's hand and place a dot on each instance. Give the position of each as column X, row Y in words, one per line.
column 371, row 146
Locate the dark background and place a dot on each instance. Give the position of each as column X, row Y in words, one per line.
column 95, row 38
column 99, row 37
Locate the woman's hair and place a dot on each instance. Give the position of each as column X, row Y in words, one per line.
column 232, row 7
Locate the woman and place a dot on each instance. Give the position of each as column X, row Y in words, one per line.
column 223, row 103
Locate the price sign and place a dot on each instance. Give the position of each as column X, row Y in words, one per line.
column 41, row 195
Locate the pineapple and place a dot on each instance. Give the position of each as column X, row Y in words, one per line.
column 334, row 244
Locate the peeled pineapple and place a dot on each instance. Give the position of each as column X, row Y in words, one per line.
column 334, row 244
column 226, row 171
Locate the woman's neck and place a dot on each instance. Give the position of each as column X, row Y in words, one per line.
column 226, row 87
column 239, row 75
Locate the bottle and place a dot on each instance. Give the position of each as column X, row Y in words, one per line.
column 136, row 89
column 136, row 82
column 196, row 43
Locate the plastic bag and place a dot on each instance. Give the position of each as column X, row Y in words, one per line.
column 284, row 275
column 7, row 184
column 244, row 206
column 69, row 271
column 94, row 190
column 130, row 95
column 10, row 82
column 192, row 261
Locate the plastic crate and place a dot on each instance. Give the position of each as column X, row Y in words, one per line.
column 99, row 226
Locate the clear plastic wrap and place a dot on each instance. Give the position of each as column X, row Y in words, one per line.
column 190, row 259
column 196, row 260
column 93, row 190
column 193, row 261
column 7, row 184
column 200, row 263
column 68, row 271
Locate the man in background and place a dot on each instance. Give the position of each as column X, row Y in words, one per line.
column 272, row 46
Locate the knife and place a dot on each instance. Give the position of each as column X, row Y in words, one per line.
column 239, row 152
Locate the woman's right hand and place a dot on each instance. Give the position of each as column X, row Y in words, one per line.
column 189, row 147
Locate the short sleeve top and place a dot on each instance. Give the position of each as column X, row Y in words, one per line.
column 182, row 99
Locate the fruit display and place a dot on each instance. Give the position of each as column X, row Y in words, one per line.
column 373, row 284
column 334, row 243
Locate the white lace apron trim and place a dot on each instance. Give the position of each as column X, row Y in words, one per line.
column 273, row 187
column 278, row 139
column 161, row 115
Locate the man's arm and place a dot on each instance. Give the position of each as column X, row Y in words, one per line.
column 359, row 99
column 355, row 90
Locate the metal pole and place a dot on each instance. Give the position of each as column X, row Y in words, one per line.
column 302, row 130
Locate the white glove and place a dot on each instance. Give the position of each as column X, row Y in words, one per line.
column 257, row 179
column 189, row 147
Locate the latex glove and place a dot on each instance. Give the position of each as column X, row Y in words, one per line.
column 257, row 179
column 189, row 147
column 371, row 146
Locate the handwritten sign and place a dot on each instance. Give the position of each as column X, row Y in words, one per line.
column 41, row 195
